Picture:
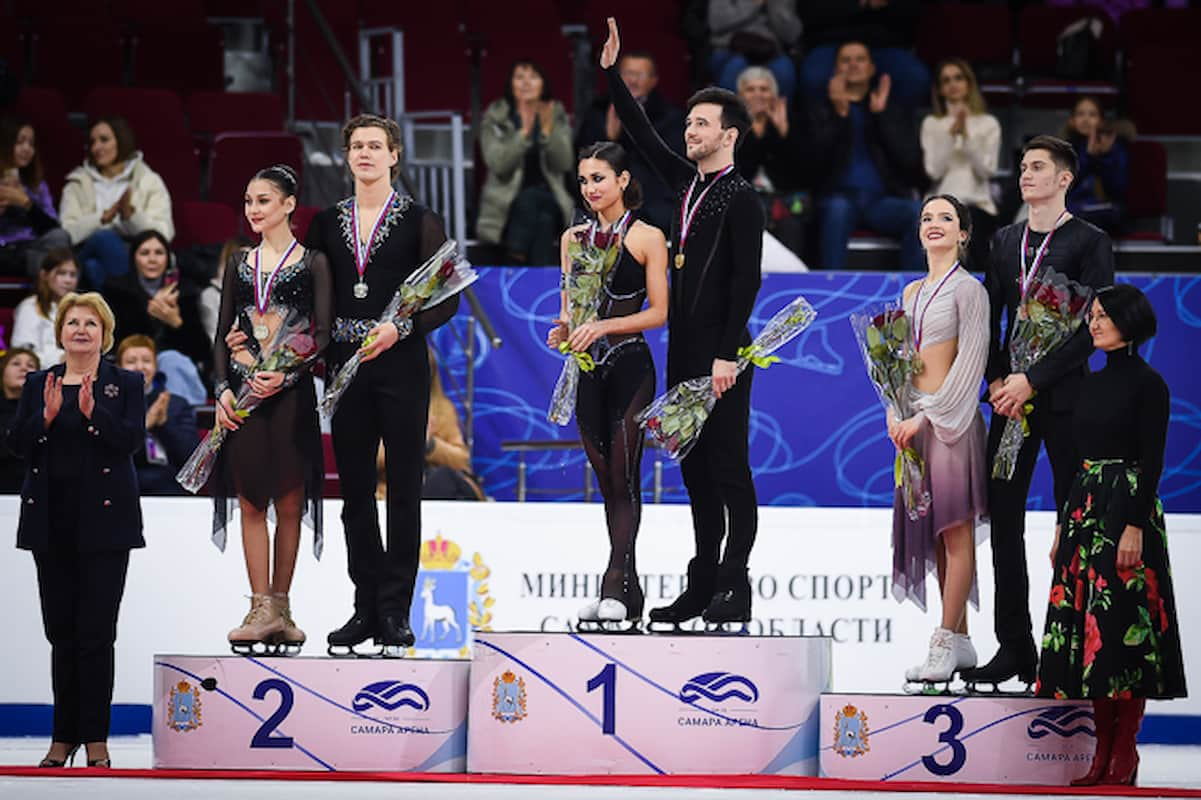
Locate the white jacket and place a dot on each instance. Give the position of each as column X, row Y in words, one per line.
column 962, row 165
column 80, row 214
column 32, row 330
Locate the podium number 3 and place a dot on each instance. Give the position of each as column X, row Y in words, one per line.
column 263, row 737
column 606, row 680
column 958, row 751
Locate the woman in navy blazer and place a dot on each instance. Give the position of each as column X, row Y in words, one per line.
column 78, row 426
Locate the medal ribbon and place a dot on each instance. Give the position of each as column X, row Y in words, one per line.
column 262, row 293
column 921, row 318
column 363, row 252
column 687, row 214
column 1027, row 277
column 616, row 229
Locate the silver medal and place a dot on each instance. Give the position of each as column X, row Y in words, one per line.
column 261, row 331
column 360, row 290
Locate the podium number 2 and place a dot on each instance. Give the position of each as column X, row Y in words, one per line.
column 606, row 679
column 958, row 751
column 263, row 737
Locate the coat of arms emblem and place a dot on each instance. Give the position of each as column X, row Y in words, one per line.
column 183, row 708
column 850, row 732
column 508, row 697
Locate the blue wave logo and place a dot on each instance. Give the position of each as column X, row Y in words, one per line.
column 719, row 687
column 1062, row 721
column 391, row 695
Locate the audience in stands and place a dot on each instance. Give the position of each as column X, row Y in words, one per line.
column 600, row 123
column 961, row 143
column 759, row 32
column 773, row 155
column 153, row 299
column 111, row 198
column 16, row 363
column 525, row 140
column 170, row 421
column 1098, row 194
column 209, row 302
column 29, row 226
column 887, row 27
column 869, row 161
column 33, row 318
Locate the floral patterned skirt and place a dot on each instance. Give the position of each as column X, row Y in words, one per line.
column 1110, row 632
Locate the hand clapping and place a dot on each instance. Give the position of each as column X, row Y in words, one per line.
column 52, row 398
column 87, row 398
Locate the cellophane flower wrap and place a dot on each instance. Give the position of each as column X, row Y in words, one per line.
column 674, row 421
column 1053, row 308
column 885, row 339
column 442, row 276
column 289, row 351
column 592, row 254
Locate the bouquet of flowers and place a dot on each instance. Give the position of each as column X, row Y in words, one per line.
column 676, row 418
column 289, row 350
column 592, row 254
column 440, row 277
column 1049, row 314
column 885, row 340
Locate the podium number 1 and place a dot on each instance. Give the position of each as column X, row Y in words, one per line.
column 606, row 679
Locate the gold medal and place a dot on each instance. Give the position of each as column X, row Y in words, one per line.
column 679, row 260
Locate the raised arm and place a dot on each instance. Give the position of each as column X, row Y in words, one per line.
column 671, row 166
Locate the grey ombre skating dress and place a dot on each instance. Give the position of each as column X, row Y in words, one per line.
column 952, row 437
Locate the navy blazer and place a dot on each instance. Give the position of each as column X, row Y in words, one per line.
column 111, row 514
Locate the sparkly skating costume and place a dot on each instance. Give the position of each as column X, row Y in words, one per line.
column 277, row 449
column 607, row 401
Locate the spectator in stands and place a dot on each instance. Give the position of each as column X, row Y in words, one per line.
column 961, row 143
column 209, row 302
column 525, row 140
column 772, row 155
column 887, row 27
column 866, row 149
column 745, row 32
column 29, row 226
column 1099, row 193
column 600, row 123
column 170, row 422
column 111, row 198
column 448, row 473
column 34, row 317
column 153, row 299
column 14, row 366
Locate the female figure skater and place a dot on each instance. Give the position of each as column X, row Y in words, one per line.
column 623, row 380
column 274, row 456
column 948, row 313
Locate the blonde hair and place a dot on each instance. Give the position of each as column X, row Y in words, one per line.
column 93, row 301
column 975, row 100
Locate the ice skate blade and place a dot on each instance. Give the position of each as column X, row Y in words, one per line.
column 618, row 626
column 932, row 688
column 994, row 689
column 348, row 651
column 255, row 648
column 673, row 628
column 727, row 628
column 393, row 650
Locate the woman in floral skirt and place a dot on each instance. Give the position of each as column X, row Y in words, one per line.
column 1111, row 633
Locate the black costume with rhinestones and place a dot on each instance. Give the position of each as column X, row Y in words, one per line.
column 388, row 400
column 608, row 399
column 712, row 297
column 277, row 449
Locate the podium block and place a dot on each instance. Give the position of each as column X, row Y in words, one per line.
column 571, row 704
column 230, row 712
column 974, row 739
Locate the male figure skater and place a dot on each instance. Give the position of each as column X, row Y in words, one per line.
column 717, row 242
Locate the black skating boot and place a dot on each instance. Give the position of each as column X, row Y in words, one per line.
column 1010, row 662
column 395, row 635
column 730, row 607
column 702, row 582
column 357, row 630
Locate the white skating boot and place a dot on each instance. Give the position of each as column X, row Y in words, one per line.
column 938, row 668
column 290, row 638
column 256, row 635
column 606, row 615
column 965, row 653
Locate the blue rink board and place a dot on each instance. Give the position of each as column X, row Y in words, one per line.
column 817, row 429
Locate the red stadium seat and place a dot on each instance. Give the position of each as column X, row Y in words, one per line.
column 1153, row 75
column 180, row 12
column 179, row 56
column 1038, row 31
column 301, row 219
column 1167, row 27
column 210, row 113
column 1147, row 193
column 237, row 156
column 199, row 222
column 77, row 57
column 59, row 143
column 956, row 30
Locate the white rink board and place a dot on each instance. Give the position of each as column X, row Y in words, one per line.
column 979, row 739
column 570, row 704
column 815, row 570
column 384, row 715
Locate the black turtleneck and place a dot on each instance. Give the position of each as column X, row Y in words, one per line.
column 1122, row 412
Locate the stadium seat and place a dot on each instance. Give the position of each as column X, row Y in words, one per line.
column 1147, row 193
column 180, row 12
column 1167, row 27
column 199, row 222
column 238, row 156
column 77, row 57
column 953, row 30
column 302, row 217
column 210, row 113
column 1153, row 79
column 178, row 56
column 60, row 144
column 1038, row 31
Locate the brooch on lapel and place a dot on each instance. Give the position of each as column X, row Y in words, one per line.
column 111, row 390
